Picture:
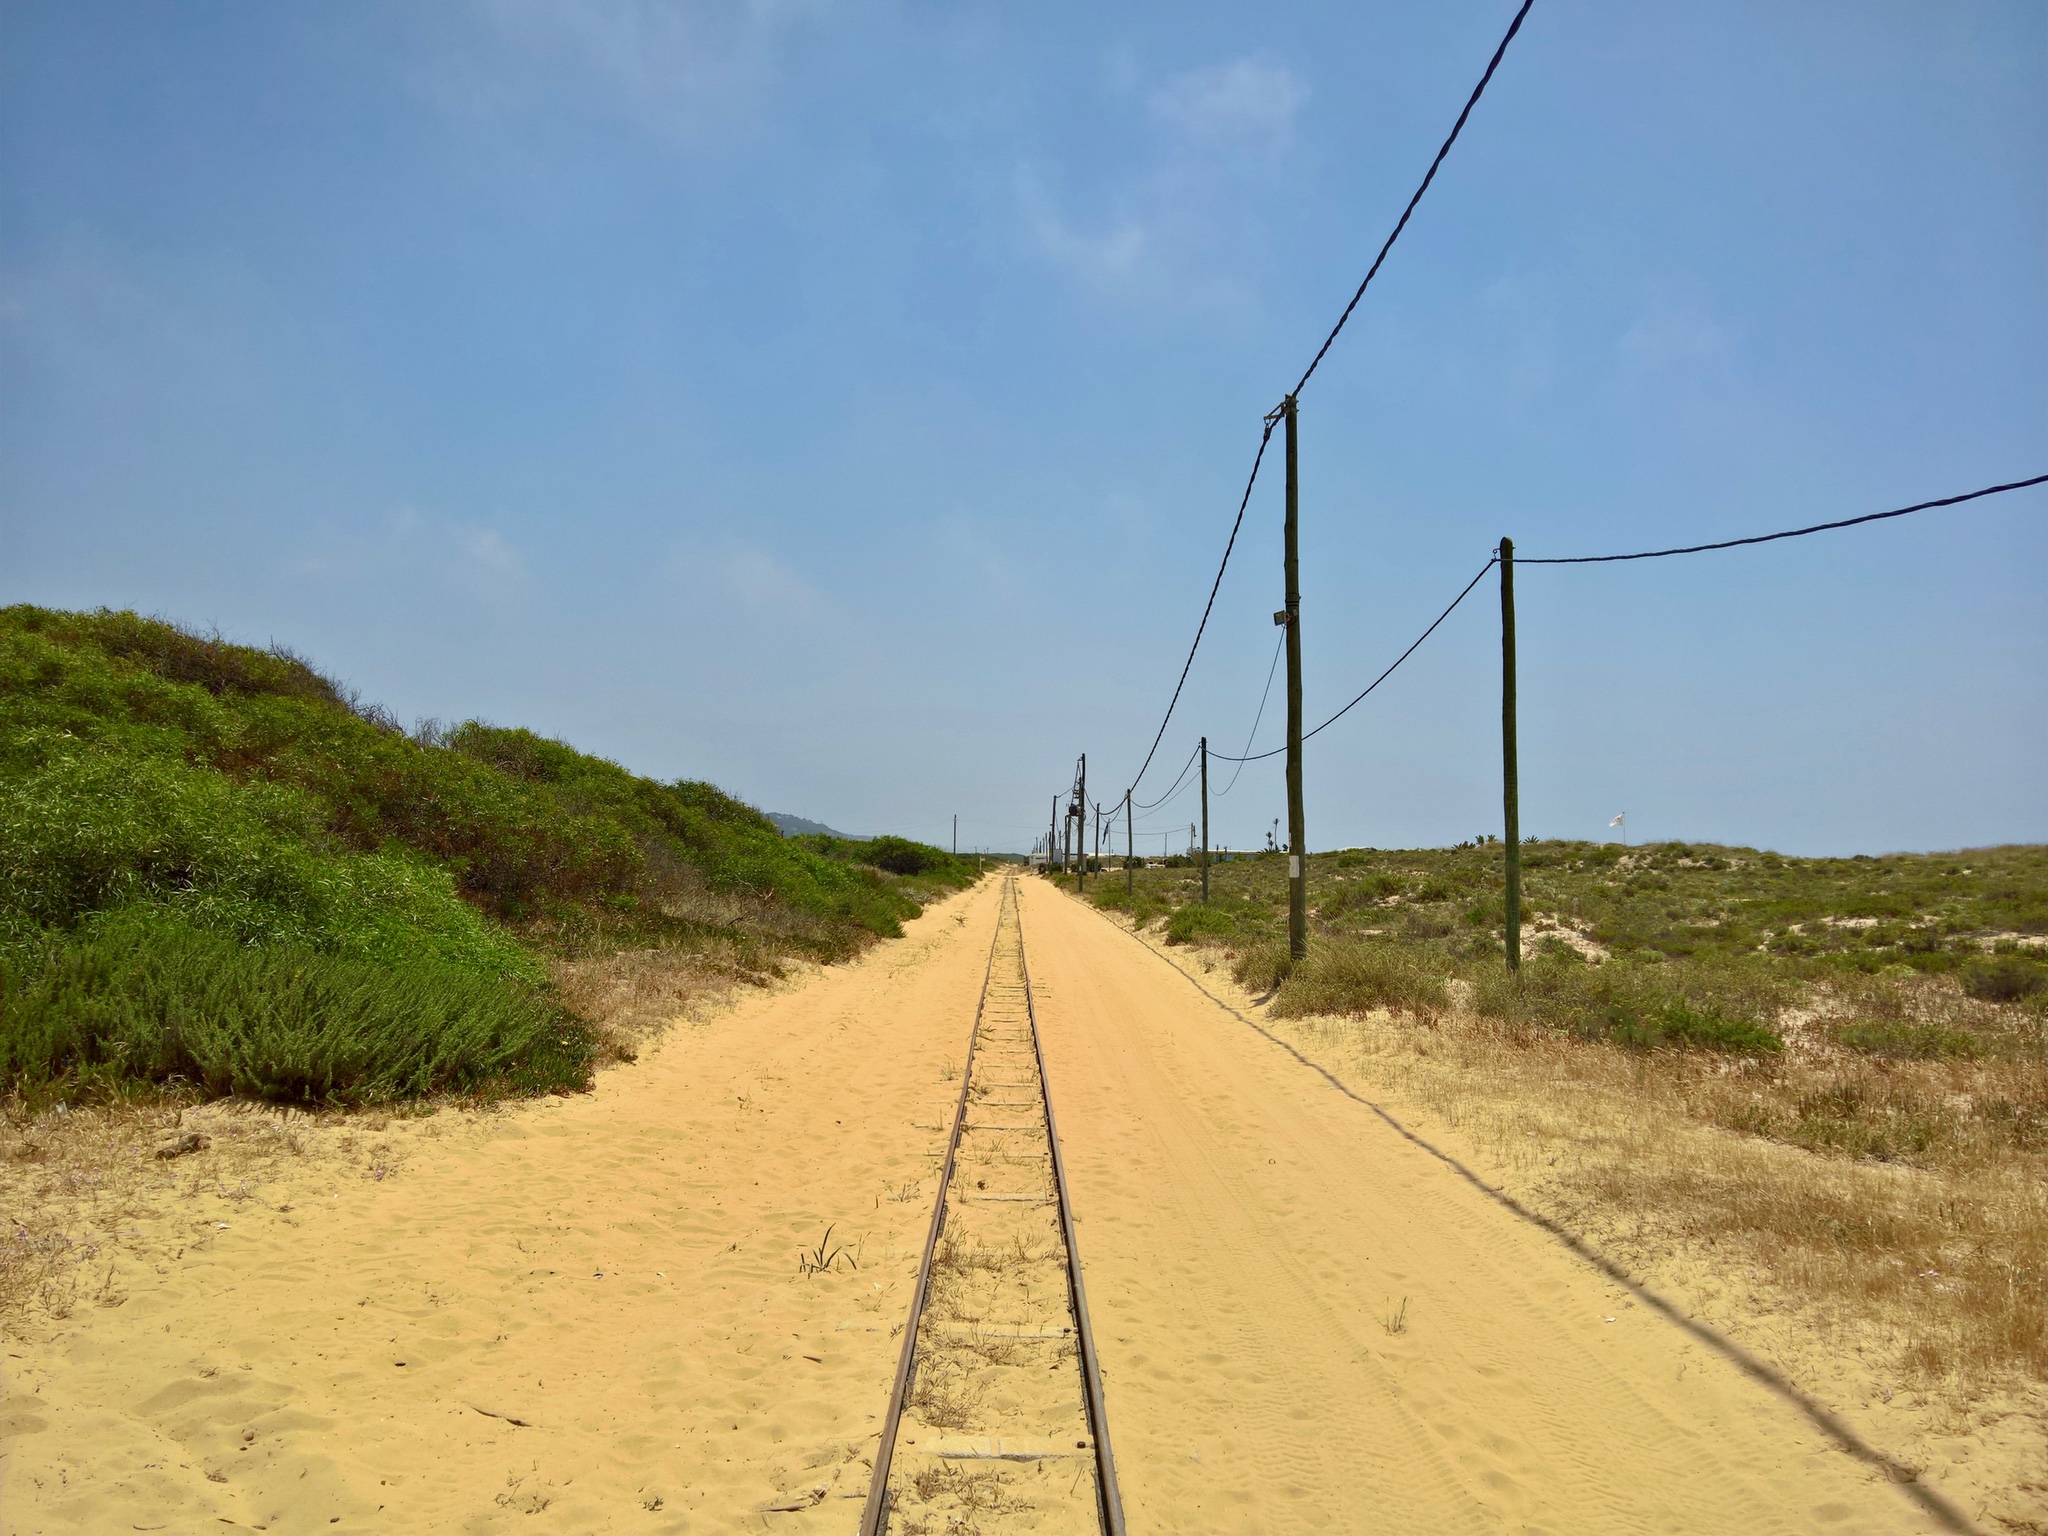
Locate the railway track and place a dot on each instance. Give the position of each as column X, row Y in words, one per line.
column 996, row 1414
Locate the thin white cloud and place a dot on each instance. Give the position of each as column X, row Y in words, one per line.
column 1106, row 255
column 483, row 554
column 1669, row 337
column 763, row 582
column 469, row 557
column 679, row 68
column 1249, row 103
column 1164, row 230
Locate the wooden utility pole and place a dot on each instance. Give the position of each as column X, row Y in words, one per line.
column 1205, row 820
column 1080, row 842
column 1510, row 774
column 1130, row 851
column 1297, row 831
column 1052, row 835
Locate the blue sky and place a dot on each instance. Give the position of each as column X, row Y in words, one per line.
column 847, row 403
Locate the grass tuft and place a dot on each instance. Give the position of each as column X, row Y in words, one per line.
column 1349, row 976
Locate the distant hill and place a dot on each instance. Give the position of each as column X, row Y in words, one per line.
column 801, row 826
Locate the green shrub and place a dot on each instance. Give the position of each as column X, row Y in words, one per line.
column 87, row 836
column 525, row 825
column 1680, row 1023
column 1263, row 966
column 1199, row 922
column 1644, row 1006
column 1353, row 977
column 154, row 1001
column 2005, row 979
column 900, row 856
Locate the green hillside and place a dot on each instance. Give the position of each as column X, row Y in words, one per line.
column 218, row 867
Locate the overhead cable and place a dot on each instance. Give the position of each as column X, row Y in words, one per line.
column 1456, row 128
column 1399, row 225
column 1789, row 533
column 1253, row 734
column 1146, row 805
column 1490, row 564
column 1243, row 502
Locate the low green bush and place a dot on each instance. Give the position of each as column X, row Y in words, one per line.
column 900, row 856
column 85, row 837
column 1263, row 966
column 153, row 1001
column 1352, row 977
column 1199, row 922
column 1645, row 1006
column 221, row 868
column 2005, row 979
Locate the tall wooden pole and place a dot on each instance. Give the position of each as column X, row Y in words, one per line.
column 1510, row 773
column 1205, row 819
column 1080, row 842
column 1130, row 851
column 1297, row 831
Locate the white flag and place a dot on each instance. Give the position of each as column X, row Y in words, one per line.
column 1618, row 820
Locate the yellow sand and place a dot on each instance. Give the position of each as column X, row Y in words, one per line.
column 620, row 1271
column 1250, row 1237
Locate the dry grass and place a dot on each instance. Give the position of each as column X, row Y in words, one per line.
column 1866, row 1207
column 1647, row 1152
column 953, row 1498
column 944, row 1395
column 631, row 996
column 74, row 1183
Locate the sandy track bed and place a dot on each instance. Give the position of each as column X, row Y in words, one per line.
column 1251, row 1237
column 619, row 1271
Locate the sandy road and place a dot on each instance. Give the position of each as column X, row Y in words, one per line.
column 340, row 1353
column 1247, row 1233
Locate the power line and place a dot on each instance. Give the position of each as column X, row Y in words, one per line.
column 1243, row 502
column 1382, row 677
column 1457, row 128
column 1145, row 805
column 1252, row 735
column 1790, row 533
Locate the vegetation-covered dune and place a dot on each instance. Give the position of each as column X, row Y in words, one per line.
column 219, row 868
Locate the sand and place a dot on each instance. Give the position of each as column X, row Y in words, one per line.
column 1307, row 1323
column 588, row 1314
column 617, row 1270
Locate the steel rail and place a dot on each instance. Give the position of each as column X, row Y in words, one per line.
column 1109, row 1501
column 876, row 1511
column 1108, row 1498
